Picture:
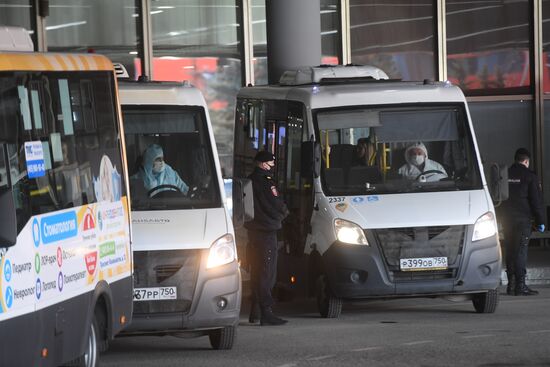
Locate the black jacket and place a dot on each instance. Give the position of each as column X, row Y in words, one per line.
column 525, row 199
column 269, row 207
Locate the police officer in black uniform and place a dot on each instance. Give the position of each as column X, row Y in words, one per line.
column 269, row 211
column 524, row 204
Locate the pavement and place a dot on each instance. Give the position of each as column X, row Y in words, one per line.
column 376, row 333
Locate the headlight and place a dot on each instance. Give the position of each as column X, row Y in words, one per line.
column 222, row 252
column 485, row 226
column 349, row 232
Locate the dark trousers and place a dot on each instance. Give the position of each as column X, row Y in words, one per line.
column 262, row 252
column 516, row 239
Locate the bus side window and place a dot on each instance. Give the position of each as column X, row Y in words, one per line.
column 70, row 142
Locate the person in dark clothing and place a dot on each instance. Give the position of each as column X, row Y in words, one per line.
column 524, row 204
column 269, row 211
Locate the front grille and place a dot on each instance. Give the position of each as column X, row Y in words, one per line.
column 418, row 242
column 423, row 275
column 172, row 268
column 164, row 272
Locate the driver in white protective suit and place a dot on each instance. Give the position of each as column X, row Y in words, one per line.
column 419, row 166
column 155, row 172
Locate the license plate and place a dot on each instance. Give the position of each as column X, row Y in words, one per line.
column 155, row 294
column 423, row 263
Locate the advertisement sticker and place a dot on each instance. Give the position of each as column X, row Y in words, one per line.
column 34, row 156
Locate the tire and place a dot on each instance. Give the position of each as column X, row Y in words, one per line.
column 91, row 355
column 330, row 307
column 486, row 302
column 223, row 339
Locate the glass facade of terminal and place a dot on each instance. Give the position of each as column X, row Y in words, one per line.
column 496, row 51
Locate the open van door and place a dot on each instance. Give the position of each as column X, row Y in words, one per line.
column 496, row 175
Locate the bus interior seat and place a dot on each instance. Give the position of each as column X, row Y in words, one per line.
column 334, row 177
column 359, row 175
column 341, row 155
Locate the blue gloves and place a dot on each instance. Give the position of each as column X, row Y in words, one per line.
column 540, row 228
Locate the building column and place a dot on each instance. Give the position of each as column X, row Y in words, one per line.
column 537, row 55
column 293, row 35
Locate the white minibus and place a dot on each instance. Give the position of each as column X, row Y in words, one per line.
column 384, row 183
column 187, row 278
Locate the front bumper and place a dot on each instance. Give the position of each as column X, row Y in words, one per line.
column 359, row 271
column 203, row 311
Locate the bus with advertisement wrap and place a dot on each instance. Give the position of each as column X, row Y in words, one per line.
column 65, row 256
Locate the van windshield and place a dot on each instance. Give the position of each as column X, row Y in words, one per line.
column 387, row 150
column 169, row 158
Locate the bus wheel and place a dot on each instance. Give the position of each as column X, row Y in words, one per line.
column 329, row 306
column 223, row 339
column 91, row 355
column 486, row 302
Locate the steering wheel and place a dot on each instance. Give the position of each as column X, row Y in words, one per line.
column 428, row 172
column 165, row 190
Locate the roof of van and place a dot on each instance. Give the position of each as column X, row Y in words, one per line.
column 375, row 92
column 36, row 61
column 15, row 39
column 160, row 93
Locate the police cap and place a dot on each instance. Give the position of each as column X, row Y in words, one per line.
column 264, row 156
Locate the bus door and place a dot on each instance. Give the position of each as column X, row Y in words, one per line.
column 297, row 189
column 284, row 140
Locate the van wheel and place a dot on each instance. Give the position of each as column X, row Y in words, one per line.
column 223, row 339
column 486, row 302
column 330, row 307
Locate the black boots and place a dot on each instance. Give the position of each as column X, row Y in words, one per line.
column 268, row 318
column 522, row 289
column 517, row 287
column 511, row 287
column 254, row 312
column 265, row 315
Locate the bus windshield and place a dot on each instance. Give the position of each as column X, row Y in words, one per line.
column 170, row 159
column 391, row 150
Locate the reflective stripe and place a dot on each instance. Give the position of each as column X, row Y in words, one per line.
column 60, row 59
column 72, row 62
column 53, row 62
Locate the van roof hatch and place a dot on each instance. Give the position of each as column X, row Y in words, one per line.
column 317, row 74
column 15, row 39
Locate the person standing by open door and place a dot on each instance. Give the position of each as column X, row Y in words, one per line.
column 269, row 212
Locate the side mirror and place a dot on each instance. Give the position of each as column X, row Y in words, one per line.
column 228, row 188
column 310, row 162
column 8, row 218
column 243, row 201
column 496, row 176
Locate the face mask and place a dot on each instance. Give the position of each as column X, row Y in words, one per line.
column 417, row 160
column 158, row 167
